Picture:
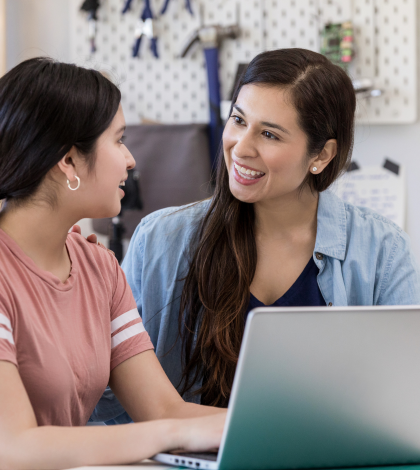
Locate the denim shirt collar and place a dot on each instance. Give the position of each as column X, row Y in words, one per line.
column 331, row 234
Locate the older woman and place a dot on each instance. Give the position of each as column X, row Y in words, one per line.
column 272, row 234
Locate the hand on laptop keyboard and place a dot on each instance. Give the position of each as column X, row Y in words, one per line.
column 202, row 434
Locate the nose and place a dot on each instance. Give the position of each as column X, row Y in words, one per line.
column 245, row 145
column 131, row 163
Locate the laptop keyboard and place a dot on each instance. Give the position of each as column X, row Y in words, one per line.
column 200, row 455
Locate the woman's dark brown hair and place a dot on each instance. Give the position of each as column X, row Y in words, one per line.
column 46, row 108
column 216, row 290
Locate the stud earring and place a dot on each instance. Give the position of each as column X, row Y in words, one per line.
column 314, row 168
column 78, row 183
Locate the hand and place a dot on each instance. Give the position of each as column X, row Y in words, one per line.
column 202, row 434
column 91, row 238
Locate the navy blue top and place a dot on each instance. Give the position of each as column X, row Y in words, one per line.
column 303, row 293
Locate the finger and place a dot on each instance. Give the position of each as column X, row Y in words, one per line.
column 92, row 238
column 76, row 229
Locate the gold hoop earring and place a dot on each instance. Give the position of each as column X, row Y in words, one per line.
column 78, row 183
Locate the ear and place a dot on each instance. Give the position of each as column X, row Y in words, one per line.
column 67, row 164
column 324, row 157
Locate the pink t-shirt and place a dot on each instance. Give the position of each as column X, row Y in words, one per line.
column 65, row 338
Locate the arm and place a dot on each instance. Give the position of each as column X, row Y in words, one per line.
column 140, row 383
column 24, row 445
column 145, row 391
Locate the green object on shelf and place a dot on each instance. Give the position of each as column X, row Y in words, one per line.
column 337, row 43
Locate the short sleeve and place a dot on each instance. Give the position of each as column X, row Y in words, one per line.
column 7, row 342
column 128, row 335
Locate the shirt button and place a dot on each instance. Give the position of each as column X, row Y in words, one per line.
column 319, row 256
column 329, row 304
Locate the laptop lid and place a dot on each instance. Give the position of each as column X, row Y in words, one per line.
column 318, row 387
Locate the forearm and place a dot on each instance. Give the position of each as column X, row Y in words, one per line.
column 184, row 409
column 146, row 393
column 51, row 447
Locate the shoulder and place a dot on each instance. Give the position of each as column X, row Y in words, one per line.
column 172, row 222
column 162, row 243
column 343, row 222
column 364, row 217
column 91, row 255
column 176, row 216
column 81, row 245
column 382, row 251
column 375, row 258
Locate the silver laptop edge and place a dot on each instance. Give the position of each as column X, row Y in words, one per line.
column 399, row 452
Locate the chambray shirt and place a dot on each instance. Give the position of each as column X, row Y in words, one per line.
column 363, row 259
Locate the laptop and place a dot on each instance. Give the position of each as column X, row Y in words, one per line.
column 321, row 387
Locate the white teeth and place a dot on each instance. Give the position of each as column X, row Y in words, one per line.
column 245, row 173
column 122, row 184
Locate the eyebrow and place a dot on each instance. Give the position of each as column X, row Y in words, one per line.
column 121, row 129
column 265, row 123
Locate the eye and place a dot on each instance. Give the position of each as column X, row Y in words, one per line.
column 237, row 119
column 121, row 141
column 269, row 135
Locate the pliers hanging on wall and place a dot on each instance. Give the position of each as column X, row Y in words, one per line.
column 187, row 6
column 127, row 6
column 144, row 28
column 91, row 6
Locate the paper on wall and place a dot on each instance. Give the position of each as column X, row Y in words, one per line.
column 378, row 189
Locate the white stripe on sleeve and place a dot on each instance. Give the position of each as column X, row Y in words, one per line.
column 123, row 319
column 5, row 321
column 4, row 334
column 126, row 334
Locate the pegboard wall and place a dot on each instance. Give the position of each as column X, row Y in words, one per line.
column 174, row 90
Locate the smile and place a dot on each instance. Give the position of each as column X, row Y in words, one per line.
column 247, row 173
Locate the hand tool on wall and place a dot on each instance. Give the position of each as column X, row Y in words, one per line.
column 187, row 6
column 364, row 88
column 91, row 6
column 211, row 37
column 145, row 27
column 127, row 6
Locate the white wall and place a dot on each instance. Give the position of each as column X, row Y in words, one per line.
column 39, row 27
column 402, row 145
column 35, row 28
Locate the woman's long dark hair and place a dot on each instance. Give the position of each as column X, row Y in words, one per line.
column 46, row 108
column 216, row 290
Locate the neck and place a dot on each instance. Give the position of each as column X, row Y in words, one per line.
column 284, row 217
column 40, row 231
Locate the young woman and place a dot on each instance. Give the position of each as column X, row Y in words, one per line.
column 68, row 320
column 273, row 234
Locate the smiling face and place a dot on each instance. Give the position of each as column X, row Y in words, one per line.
column 264, row 148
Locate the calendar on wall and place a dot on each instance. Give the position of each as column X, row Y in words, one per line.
column 378, row 188
column 174, row 90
